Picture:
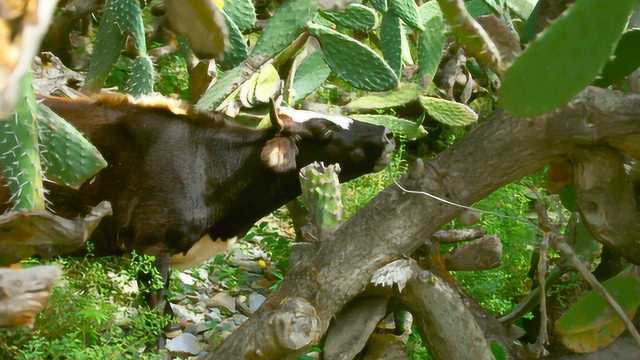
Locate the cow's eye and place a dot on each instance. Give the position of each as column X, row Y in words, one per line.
column 327, row 134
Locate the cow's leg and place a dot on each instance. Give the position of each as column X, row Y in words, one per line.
column 158, row 298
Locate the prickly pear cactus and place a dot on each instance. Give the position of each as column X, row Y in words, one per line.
column 236, row 50
column 322, row 196
column 284, row 26
column 565, row 58
column 391, row 41
column 120, row 18
column 431, row 42
column 242, row 12
column 19, row 152
column 407, row 10
column 67, row 157
column 140, row 79
column 355, row 16
column 353, row 61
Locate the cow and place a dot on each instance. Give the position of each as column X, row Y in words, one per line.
column 182, row 182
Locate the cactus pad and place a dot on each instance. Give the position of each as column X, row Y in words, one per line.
column 565, row 58
column 67, row 157
column 352, row 61
column 355, row 16
column 448, row 112
column 391, row 41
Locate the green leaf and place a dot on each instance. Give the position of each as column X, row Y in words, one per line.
column 399, row 126
column 356, row 16
column 140, row 79
column 236, row 51
column 565, row 58
column 625, row 59
column 241, row 12
column 587, row 248
column 448, row 112
column 404, row 95
column 431, row 42
column 391, row 41
column 380, row 5
column 590, row 324
column 310, row 75
column 407, row 10
column 284, row 26
column 68, row 158
column 352, row 61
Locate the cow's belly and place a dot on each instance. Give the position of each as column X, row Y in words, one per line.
column 201, row 251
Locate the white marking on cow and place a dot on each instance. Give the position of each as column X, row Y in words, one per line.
column 203, row 250
column 301, row 116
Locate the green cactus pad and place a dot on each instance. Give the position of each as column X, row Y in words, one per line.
column 407, row 10
column 241, row 12
column 285, row 25
column 478, row 8
column 354, row 62
column 448, row 112
column 625, row 59
column 67, row 157
column 400, row 127
column 223, row 87
column 119, row 18
column 380, row 5
column 355, row 16
column 590, row 323
column 140, row 81
column 322, row 196
column 431, row 41
column 565, row 58
column 20, row 154
column 309, row 76
column 373, row 102
column 236, row 51
column 391, row 41
column 522, row 8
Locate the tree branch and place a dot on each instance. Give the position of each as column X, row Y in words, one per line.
column 497, row 152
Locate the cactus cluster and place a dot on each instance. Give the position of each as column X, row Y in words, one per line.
column 36, row 144
column 322, row 196
column 120, row 18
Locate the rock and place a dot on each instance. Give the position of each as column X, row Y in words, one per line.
column 172, row 331
column 255, row 300
column 214, row 315
column 123, row 316
column 224, row 300
column 186, row 279
column 185, row 314
column 196, row 329
column 185, row 343
column 239, row 319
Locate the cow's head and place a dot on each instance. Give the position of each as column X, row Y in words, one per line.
column 303, row 137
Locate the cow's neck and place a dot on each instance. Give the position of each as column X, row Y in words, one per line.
column 248, row 190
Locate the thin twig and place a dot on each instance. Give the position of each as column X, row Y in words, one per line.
column 543, row 336
column 566, row 250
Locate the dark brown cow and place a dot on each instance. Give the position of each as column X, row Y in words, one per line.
column 175, row 175
column 178, row 178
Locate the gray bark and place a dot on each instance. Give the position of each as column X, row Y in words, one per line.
column 495, row 153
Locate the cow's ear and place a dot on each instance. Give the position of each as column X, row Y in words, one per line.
column 279, row 154
column 278, row 120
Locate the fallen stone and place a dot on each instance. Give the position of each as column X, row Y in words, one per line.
column 184, row 343
column 255, row 301
column 224, row 300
